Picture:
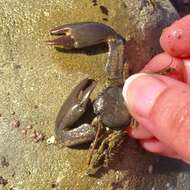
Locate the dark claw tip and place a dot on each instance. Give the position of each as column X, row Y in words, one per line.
column 66, row 41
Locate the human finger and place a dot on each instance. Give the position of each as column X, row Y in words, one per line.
column 162, row 105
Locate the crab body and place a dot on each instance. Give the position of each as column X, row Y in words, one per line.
column 111, row 108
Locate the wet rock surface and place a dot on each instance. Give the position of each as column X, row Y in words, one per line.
column 35, row 80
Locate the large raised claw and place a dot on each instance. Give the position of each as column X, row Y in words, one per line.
column 85, row 34
column 82, row 34
column 72, row 109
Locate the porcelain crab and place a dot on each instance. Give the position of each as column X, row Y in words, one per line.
column 109, row 107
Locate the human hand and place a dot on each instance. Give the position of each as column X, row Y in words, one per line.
column 161, row 104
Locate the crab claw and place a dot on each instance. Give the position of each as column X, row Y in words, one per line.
column 72, row 109
column 83, row 34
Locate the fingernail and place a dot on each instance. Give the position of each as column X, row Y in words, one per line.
column 141, row 91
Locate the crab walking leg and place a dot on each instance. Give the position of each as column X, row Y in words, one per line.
column 115, row 62
column 106, row 151
column 82, row 134
column 71, row 111
column 97, row 124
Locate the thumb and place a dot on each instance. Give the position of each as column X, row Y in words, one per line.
column 162, row 106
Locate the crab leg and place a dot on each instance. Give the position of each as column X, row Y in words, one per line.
column 85, row 34
column 115, row 62
column 82, row 134
column 73, row 108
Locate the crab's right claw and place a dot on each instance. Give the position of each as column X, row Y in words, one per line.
column 83, row 34
column 71, row 111
column 75, row 106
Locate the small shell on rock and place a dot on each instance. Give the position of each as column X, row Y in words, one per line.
column 150, row 169
column 51, row 140
column 29, row 127
column 24, row 131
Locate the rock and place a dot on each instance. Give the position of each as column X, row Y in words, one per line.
column 147, row 18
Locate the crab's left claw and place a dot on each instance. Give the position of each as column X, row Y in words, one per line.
column 83, row 34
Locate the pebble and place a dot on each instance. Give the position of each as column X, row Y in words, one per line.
column 170, row 187
column 33, row 135
column 150, row 169
column 24, row 131
column 94, row 2
column 51, row 140
column 4, row 162
column 105, row 19
column 37, row 136
column 15, row 123
column 46, row 13
column 13, row 113
column 29, row 127
column 3, row 181
column 104, row 10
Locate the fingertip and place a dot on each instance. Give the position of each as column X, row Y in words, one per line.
column 164, row 61
column 175, row 38
column 157, row 147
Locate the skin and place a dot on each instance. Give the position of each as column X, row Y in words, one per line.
column 175, row 39
column 161, row 103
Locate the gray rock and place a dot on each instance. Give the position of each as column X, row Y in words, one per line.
column 148, row 18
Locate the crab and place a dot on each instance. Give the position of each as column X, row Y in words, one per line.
column 111, row 114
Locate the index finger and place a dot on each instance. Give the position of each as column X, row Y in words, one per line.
column 163, row 61
column 175, row 39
